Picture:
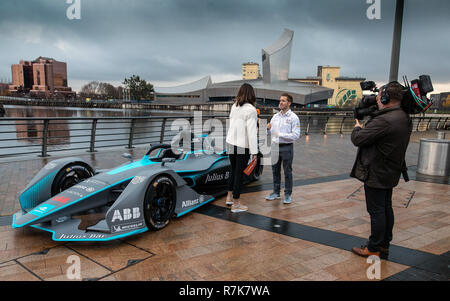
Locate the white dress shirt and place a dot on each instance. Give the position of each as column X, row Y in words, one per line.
column 285, row 127
column 243, row 127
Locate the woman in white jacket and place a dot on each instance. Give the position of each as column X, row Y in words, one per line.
column 241, row 142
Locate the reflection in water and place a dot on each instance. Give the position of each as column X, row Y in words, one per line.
column 31, row 131
column 17, row 111
column 63, row 134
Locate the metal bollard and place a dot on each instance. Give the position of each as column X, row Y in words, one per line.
column 434, row 157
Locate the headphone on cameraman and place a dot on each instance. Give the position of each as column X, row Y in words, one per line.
column 385, row 97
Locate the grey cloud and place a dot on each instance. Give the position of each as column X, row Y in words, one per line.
column 165, row 40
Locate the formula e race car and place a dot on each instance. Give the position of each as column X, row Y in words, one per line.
column 74, row 202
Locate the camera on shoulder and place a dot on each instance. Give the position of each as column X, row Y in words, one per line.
column 413, row 96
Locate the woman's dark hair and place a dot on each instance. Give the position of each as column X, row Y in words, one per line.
column 245, row 95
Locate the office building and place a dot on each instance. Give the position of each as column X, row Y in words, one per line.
column 250, row 71
column 43, row 77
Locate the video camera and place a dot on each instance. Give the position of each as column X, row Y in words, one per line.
column 414, row 99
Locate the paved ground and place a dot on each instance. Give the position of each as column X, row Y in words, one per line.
column 307, row 240
column 315, row 156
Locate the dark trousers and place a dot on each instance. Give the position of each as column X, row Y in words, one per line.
column 239, row 160
column 285, row 157
column 379, row 206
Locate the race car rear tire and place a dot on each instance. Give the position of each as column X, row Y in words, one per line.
column 69, row 176
column 160, row 202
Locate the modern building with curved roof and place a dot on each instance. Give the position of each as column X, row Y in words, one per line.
column 195, row 90
column 277, row 57
column 276, row 61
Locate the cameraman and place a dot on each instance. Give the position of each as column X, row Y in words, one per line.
column 380, row 160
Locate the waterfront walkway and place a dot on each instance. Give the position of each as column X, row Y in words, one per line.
column 309, row 239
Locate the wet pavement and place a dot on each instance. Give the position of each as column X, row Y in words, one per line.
column 309, row 239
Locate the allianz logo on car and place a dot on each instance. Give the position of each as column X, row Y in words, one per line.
column 189, row 203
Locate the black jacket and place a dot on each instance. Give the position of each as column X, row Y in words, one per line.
column 382, row 145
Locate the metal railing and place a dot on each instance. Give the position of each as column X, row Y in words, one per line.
column 41, row 136
column 26, row 136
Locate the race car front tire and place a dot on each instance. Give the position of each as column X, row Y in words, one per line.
column 160, row 202
column 69, row 176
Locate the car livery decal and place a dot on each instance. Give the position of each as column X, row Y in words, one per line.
column 42, row 210
column 77, row 189
column 28, row 199
column 198, row 202
column 89, row 236
column 145, row 161
column 202, row 171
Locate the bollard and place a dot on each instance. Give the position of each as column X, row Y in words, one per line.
column 434, row 157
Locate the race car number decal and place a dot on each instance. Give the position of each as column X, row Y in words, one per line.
column 61, row 199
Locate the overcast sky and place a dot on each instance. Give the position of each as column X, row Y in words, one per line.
column 171, row 42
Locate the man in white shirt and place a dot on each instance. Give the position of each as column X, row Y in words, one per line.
column 285, row 129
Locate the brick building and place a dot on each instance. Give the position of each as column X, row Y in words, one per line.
column 43, row 77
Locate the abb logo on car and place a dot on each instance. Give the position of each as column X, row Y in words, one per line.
column 126, row 215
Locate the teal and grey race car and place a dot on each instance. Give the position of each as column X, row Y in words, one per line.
column 76, row 203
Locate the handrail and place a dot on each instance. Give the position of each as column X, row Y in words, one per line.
column 19, row 136
column 109, row 118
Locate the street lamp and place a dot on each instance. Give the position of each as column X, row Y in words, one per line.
column 395, row 55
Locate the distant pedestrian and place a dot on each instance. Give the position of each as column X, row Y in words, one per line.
column 241, row 142
column 285, row 130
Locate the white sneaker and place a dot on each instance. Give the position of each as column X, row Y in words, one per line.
column 229, row 202
column 238, row 208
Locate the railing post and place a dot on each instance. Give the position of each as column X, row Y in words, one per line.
column 326, row 125
column 342, row 124
column 93, row 130
column 438, row 123
column 163, row 126
column 131, row 136
column 418, row 124
column 307, row 126
column 428, row 124
column 45, row 138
